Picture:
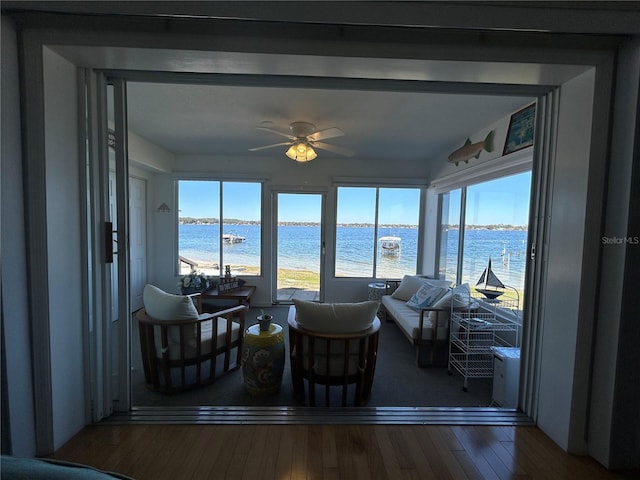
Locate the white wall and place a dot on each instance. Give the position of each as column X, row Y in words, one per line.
column 445, row 175
column 15, row 311
column 64, row 224
column 148, row 156
column 444, row 168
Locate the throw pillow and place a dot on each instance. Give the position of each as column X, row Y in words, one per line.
column 426, row 296
column 411, row 283
column 458, row 297
column 335, row 317
column 408, row 287
column 166, row 306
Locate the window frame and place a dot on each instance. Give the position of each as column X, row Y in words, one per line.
column 220, row 213
column 414, row 184
column 505, row 166
column 502, row 313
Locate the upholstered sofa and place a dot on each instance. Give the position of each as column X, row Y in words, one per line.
column 421, row 307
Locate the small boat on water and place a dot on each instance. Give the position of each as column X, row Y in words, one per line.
column 489, row 283
column 232, row 238
column 390, row 245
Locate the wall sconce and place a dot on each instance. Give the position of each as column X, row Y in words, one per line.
column 164, row 208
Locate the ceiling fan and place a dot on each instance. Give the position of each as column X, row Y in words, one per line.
column 303, row 138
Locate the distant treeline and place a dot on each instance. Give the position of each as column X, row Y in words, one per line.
column 235, row 221
column 213, row 221
column 497, row 226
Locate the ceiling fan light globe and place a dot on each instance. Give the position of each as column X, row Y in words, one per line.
column 311, row 154
column 301, row 152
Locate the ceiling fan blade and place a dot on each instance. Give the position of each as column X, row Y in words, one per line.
column 277, row 132
column 255, row 149
column 332, row 148
column 327, row 133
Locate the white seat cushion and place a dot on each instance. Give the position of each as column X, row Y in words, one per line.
column 332, row 365
column 408, row 319
column 335, row 317
column 207, row 337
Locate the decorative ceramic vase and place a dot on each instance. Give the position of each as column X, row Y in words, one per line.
column 263, row 355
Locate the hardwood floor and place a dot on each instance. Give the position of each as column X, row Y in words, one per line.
column 350, row 452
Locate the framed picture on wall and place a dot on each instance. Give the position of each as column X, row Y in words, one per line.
column 521, row 129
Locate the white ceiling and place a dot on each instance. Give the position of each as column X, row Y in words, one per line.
column 222, row 120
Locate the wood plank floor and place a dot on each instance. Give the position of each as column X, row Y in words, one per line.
column 350, row 452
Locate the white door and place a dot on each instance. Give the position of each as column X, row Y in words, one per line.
column 137, row 240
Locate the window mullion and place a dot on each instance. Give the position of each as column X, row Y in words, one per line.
column 375, row 235
column 220, row 230
column 461, row 229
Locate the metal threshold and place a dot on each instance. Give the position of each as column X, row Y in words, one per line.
column 238, row 415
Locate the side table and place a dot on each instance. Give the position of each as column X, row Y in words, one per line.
column 239, row 296
column 263, row 355
column 375, row 291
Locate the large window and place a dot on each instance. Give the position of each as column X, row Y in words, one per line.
column 219, row 223
column 449, row 235
column 493, row 217
column 371, row 223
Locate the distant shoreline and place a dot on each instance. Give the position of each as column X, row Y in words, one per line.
column 215, row 221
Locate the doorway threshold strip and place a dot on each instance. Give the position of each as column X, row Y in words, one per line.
column 238, row 415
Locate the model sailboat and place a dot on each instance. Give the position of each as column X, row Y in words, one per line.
column 489, row 283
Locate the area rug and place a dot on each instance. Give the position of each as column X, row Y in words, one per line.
column 398, row 382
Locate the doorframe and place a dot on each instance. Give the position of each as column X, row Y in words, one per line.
column 123, row 397
column 104, row 334
column 547, row 107
column 142, row 224
column 287, row 190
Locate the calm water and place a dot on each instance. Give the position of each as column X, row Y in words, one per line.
column 299, row 247
column 506, row 248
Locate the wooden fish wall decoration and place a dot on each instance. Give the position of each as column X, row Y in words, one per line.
column 472, row 150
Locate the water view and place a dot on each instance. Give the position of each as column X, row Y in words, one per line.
column 298, row 249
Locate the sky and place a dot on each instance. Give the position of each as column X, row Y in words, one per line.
column 201, row 199
column 501, row 201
